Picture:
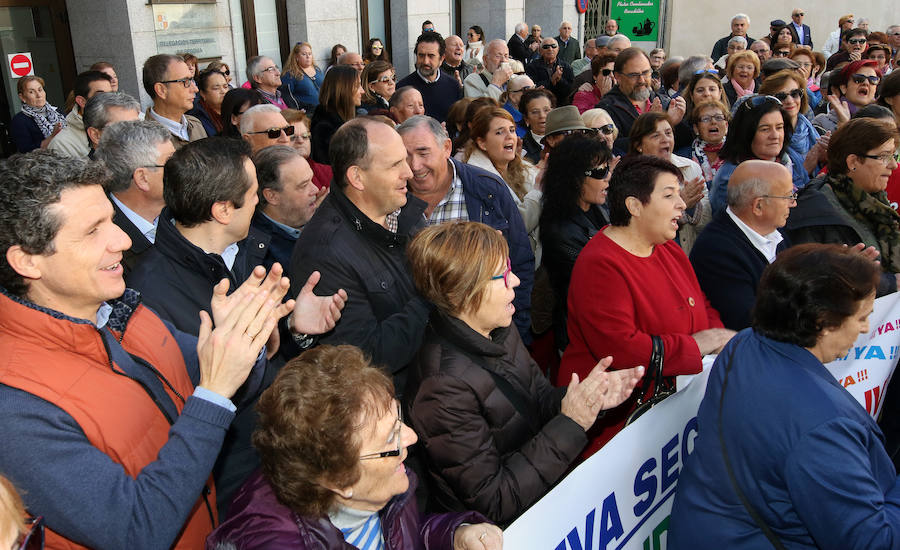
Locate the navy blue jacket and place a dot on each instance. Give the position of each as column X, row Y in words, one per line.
column 488, row 201
column 281, row 244
column 728, row 267
column 139, row 243
column 623, row 113
column 437, row 96
column 805, row 453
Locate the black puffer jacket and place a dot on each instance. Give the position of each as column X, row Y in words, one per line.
column 482, row 453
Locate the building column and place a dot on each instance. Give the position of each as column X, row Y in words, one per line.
column 406, row 26
column 550, row 13
column 324, row 24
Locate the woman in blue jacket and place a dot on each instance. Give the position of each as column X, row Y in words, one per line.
column 785, row 456
column 301, row 78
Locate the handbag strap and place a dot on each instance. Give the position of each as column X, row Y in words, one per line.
column 517, row 399
column 773, row 538
column 653, row 378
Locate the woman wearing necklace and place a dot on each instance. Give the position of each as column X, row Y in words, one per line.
column 301, row 78
column 38, row 121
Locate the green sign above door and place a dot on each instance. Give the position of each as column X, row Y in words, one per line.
column 638, row 19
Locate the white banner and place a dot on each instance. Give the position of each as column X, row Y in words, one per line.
column 621, row 497
column 866, row 370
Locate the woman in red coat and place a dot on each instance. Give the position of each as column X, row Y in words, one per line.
column 633, row 281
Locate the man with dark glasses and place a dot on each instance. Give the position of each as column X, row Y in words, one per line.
column 853, row 44
column 263, row 125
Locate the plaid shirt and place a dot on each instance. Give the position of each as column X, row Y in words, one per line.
column 390, row 221
column 452, row 207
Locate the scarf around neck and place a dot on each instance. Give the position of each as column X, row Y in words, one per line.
column 873, row 210
column 701, row 150
column 46, row 118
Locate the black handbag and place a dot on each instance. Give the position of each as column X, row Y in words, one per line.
column 652, row 378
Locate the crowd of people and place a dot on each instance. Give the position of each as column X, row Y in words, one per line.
column 331, row 308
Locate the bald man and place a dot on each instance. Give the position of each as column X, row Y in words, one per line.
column 734, row 248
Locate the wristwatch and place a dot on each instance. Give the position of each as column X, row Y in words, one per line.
column 303, row 340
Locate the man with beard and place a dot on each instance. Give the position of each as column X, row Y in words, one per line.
column 438, row 91
column 632, row 95
column 453, row 64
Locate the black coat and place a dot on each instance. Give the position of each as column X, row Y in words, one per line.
column 482, row 452
column 139, row 243
column 531, row 149
column 728, row 267
column 322, row 128
column 540, row 73
column 517, row 49
column 721, row 46
column 384, row 315
column 562, row 242
column 623, row 113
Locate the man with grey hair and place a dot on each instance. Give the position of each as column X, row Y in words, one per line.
column 893, row 33
column 569, row 50
column 618, row 43
column 104, row 109
column 491, row 82
column 453, row 64
column 263, row 125
column 611, row 27
column 735, row 44
column 590, row 50
column 287, row 199
column 762, row 50
column 135, row 152
column 264, row 76
column 691, row 66
column 731, row 253
column 551, row 72
column 167, row 80
column 354, row 60
column 739, row 25
column 456, row 191
column 517, row 48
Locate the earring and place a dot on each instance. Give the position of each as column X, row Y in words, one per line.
column 854, row 168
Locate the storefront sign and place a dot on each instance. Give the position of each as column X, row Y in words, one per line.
column 638, row 19
column 187, row 28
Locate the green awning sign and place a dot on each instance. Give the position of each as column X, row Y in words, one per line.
column 638, row 19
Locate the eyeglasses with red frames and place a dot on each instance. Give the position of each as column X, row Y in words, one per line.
column 505, row 275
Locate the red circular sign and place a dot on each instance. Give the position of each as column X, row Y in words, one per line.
column 20, row 65
column 581, row 5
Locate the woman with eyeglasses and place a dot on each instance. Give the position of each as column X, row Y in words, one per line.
column 782, row 446
column 652, row 134
column 375, row 51
column 492, row 146
column 742, row 71
column 807, row 61
column 474, row 54
column 599, row 119
column 789, row 87
column 857, row 83
column 339, row 96
column 760, row 129
column 710, row 124
column 332, row 440
column 849, row 204
column 301, row 78
column 602, row 69
column 212, row 88
column 496, row 435
column 379, row 82
column 632, row 282
column 576, row 180
column 223, row 69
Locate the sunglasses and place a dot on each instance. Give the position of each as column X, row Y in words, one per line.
column 522, row 89
column 549, row 46
column 598, row 173
column 755, row 101
column 795, row 93
column 860, row 78
column 384, row 79
column 275, row 133
column 34, row 538
column 505, row 275
column 607, row 129
column 856, row 41
column 711, row 72
column 225, row 72
column 607, row 72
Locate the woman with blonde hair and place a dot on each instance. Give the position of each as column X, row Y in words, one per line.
column 339, row 97
column 301, row 78
column 492, row 146
column 742, row 69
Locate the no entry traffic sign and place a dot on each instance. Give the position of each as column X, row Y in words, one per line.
column 20, row 64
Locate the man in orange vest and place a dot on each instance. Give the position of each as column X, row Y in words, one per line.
column 112, row 419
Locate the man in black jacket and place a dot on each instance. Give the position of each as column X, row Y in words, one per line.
column 734, row 248
column 633, row 95
column 739, row 25
column 357, row 239
column 517, row 48
column 134, row 153
column 551, row 72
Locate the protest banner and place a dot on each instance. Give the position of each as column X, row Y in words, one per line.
column 621, row 497
column 866, row 370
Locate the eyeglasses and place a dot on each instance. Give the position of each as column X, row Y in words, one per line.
column 598, row 173
column 856, row 41
column 275, row 132
column 801, row 14
column 522, row 89
column 153, row 166
column 607, row 129
column 712, row 118
column 549, row 46
column 505, row 275
column 270, row 69
column 860, row 78
column 885, row 158
column 804, row 64
column 606, row 72
column 579, row 131
column 298, row 137
column 225, row 72
column 34, row 538
column 894, row 34
column 635, row 76
column 186, row 81
column 384, row 79
column 395, row 436
column 795, row 93
column 377, row 47
column 790, row 198
column 755, row 101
